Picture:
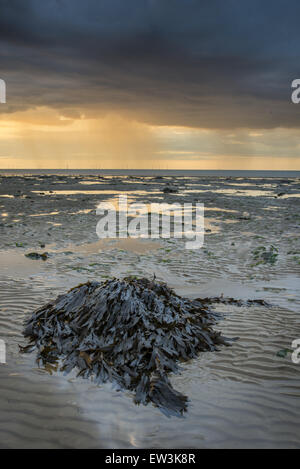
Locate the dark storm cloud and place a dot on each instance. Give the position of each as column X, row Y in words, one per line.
column 184, row 62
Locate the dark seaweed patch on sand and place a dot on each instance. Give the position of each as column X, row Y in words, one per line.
column 132, row 332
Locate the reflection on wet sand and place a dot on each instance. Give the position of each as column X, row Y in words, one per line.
column 130, row 244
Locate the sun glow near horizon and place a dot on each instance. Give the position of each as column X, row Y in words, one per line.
column 44, row 138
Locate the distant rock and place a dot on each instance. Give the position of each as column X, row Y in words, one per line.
column 170, row 190
column 36, row 256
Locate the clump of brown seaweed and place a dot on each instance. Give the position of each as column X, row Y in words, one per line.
column 132, row 332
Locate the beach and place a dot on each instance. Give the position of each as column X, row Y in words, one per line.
column 246, row 395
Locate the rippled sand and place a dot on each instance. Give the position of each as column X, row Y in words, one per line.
column 242, row 396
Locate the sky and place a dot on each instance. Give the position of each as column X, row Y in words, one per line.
column 164, row 84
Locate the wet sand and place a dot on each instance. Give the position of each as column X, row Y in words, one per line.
column 242, row 396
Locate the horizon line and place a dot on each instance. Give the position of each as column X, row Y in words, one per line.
column 142, row 169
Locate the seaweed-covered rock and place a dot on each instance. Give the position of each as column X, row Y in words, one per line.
column 36, row 256
column 132, row 332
